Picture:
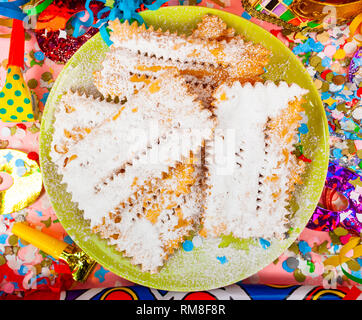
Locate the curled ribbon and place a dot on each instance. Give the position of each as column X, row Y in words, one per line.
column 351, row 250
column 12, row 9
column 121, row 9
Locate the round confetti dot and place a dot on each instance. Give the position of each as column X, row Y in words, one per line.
column 286, row 267
column 39, row 55
column 350, row 47
column 46, row 76
column 197, row 241
column 339, row 54
column 329, row 76
column 26, row 100
column 16, row 77
column 13, row 117
column 19, row 109
column 339, row 79
column 318, row 83
column 335, row 88
column 2, row 111
column 17, row 93
column 2, row 260
column 292, row 263
column 304, row 247
column 5, row 131
column 10, row 102
column 329, row 50
column 187, row 245
column 32, row 83
column 30, row 116
column 2, row 94
column 34, row 156
column 357, row 113
column 19, row 163
column 8, row 86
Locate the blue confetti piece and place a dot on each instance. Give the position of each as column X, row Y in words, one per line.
column 39, row 55
column 326, row 62
column 23, row 270
column 286, row 267
column 246, row 15
column 68, row 239
column 3, row 238
column 19, row 163
column 8, row 157
column 337, row 153
column 121, row 9
column 304, row 247
column 325, row 95
column 44, row 98
column 188, row 245
column 99, row 274
column 20, row 244
column 265, row 244
column 222, row 259
column 303, row 129
column 39, row 213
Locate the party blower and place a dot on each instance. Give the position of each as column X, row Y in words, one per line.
column 80, row 264
column 16, row 101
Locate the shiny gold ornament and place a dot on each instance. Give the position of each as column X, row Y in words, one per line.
column 20, row 181
column 304, row 15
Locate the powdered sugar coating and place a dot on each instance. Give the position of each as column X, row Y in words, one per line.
column 101, row 168
column 240, row 201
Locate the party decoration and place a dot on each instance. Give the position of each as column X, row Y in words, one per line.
column 114, row 9
column 237, row 291
column 303, row 15
column 328, row 216
column 351, row 250
column 11, row 9
column 20, row 181
column 78, row 261
column 16, row 101
column 354, row 70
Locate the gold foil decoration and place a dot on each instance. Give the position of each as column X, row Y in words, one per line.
column 316, row 15
column 20, row 181
column 80, row 264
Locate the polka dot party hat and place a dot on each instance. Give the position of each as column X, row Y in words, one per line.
column 16, row 103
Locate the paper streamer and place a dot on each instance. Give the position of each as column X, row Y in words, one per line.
column 12, row 9
column 351, row 250
column 119, row 9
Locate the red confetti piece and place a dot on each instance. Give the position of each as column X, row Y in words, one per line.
column 33, row 156
column 21, row 126
column 359, row 92
column 305, row 159
column 324, row 73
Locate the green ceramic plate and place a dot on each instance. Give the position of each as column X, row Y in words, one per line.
column 198, row 269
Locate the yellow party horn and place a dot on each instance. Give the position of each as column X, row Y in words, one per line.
column 80, row 264
column 16, row 101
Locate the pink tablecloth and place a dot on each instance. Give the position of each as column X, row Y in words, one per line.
column 24, row 267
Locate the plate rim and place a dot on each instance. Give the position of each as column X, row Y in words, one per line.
column 168, row 286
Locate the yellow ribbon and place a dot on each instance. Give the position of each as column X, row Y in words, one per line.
column 356, row 27
column 352, row 244
column 341, row 258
